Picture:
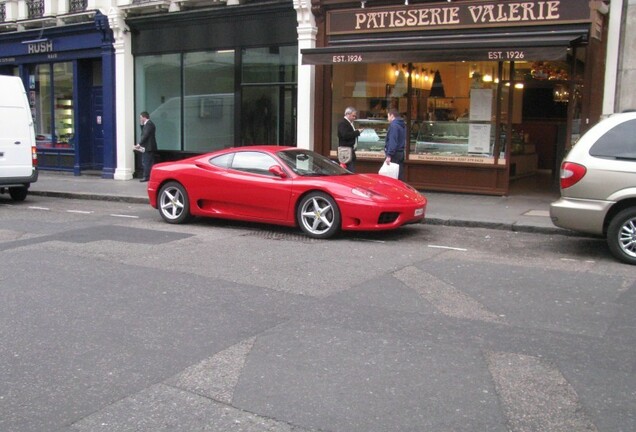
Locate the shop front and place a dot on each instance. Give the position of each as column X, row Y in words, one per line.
column 67, row 73
column 217, row 78
column 490, row 91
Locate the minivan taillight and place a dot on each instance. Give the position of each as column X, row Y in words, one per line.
column 571, row 173
column 34, row 156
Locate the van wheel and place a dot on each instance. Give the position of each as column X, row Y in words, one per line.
column 18, row 193
column 621, row 236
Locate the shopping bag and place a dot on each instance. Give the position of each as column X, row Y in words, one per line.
column 390, row 170
column 345, row 154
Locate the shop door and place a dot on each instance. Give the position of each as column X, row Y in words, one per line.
column 268, row 115
column 97, row 129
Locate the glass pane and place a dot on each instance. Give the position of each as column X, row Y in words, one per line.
column 260, row 115
column 270, row 64
column 40, row 101
column 209, row 100
column 158, row 91
column 63, row 88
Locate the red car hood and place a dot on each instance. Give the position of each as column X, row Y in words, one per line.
column 383, row 185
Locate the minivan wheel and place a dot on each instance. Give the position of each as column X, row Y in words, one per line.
column 621, row 236
column 18, row 193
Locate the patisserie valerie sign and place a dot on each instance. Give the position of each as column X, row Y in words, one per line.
column 458, row 15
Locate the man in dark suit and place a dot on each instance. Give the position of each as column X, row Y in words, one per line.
column 348, row 134
column 147, row 144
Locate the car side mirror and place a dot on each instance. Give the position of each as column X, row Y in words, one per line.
column 277, row 171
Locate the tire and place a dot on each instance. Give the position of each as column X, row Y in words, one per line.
column 318, row 215
column 621, row 236
column 18, row 193
column 173, row 203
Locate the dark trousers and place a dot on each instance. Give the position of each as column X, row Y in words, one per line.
column 398, row 158
column 147, row 160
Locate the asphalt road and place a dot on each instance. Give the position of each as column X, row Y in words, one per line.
column 113, row 320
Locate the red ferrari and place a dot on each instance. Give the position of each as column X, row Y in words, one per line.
column 284, row 186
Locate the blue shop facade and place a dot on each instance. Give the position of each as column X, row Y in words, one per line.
column 69, row 75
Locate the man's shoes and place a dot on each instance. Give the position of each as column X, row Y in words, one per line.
column 143, row 180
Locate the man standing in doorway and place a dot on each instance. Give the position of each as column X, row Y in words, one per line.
column 395, row 141
column 147, row 144
column 348, row 134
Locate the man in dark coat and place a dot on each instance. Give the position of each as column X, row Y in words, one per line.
column 395, row 141
column 147, row 144
column 348, row 134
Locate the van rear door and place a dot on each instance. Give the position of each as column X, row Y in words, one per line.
column 16, row 130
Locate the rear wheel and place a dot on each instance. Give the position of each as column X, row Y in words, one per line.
column 18, row 193
column 174, row 205
column 621, row 236
column 318, row 215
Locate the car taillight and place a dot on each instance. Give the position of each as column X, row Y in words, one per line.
column 34, row 156
column 571, row 173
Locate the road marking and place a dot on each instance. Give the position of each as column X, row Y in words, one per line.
column 125, row 216
column 80, row 211
column 216, row 377
column 39, row 208
column 444, row 297
column 535, row 395
column 447, row 247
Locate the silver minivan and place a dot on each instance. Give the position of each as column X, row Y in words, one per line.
column 598, row 185
column 18, row 157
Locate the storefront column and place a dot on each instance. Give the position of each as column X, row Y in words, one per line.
column 124, row 96
column 306, row 75
column 108, row 86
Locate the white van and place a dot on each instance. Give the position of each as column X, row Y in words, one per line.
column 18, row 157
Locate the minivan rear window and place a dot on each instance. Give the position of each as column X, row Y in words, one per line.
column 617, row 143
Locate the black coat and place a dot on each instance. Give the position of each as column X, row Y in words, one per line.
column 148, row 140
column 347, row 136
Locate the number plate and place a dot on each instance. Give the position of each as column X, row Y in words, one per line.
column 419, row 212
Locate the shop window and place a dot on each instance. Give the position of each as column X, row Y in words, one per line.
column 50, row 94
column 270, row 65
column 63, row 112
column 450, row 108
column 208, row 103
column 268, row 102
column 158, row 91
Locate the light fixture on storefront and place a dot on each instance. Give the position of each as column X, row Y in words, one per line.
column 360, row 89
column 400, row 87
column 561, row 94
column 437, row 88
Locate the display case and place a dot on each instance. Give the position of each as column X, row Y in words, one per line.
column 64, row 124
column 440, row 137
column 372, row 138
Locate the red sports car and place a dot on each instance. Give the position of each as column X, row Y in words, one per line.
column 284, row 186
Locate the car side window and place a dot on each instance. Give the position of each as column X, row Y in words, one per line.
column 617, row 143
column 223, row 161
column 253, row 162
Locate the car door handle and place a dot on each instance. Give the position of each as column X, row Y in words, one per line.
column 17, row 142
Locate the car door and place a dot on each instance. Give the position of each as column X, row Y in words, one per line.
column 251, row 191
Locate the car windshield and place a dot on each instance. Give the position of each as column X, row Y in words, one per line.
column 308, row 163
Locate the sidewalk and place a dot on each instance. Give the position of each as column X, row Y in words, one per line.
column 525, row 209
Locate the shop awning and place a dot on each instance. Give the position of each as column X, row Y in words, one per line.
column 547, row 45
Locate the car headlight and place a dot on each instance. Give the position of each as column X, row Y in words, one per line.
column 366, row 193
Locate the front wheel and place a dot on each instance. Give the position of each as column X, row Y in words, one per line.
column 18, row 193
column 621, row 236
column 174, row 205
column 318, row 215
